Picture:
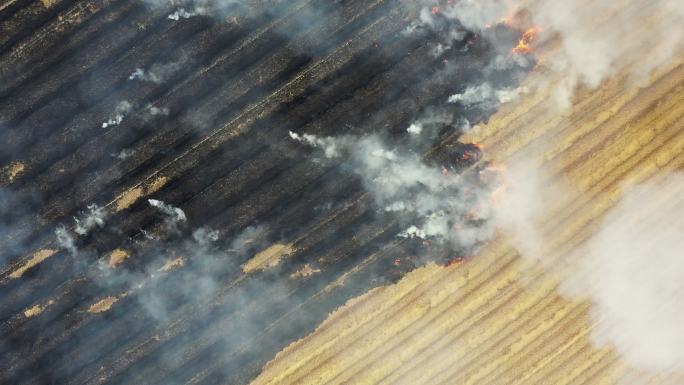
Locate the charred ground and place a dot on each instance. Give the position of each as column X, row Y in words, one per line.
column 210, row 138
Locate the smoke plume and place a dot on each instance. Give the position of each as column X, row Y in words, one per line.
column 631, row 266
column 632, row 270
column 431, row 202
column 94, row 217
column 485, row 96
column 173, row 216
column 157, row 73
column 122, row 109
column 585, row 44
column 65, row 240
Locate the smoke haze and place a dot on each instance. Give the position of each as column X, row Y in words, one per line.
column 632, row 269
column 238, row 170
column 631, row 266
column 585, row 44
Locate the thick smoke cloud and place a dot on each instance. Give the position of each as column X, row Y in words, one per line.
column 429, row 201
column 631, row 266
column 586, row 43
column 485, row 96
column 65, row 240
column 186, row 9
column 632, row 269
column 94, row 217
column 601, row 40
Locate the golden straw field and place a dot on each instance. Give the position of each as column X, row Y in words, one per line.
column 498, row 318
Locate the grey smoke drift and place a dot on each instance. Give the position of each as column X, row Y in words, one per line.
column 122, row 109
column 485, row 96
column 433, row 204
column 631, row 267
column 185, row 9
column 157, row 73
column 632, row 270
column 586, row 55
column 94, row 217
column 173, row 216
column 65, row 240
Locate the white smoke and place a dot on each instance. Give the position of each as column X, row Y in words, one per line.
column 632, row 266
column 95, row 217
column 122, row 109
column 157, row 111
column 185, row 9
column 439, row 204
column 330, row 146
column 157, row 74
column 431, row 120
column 173, row 215
column 124, row 154
column 528, row 196
column 593, row 42
column 632, row 269
column 205, row 236
column 413, row 232
column 249, row 238
column 448, row 33
column 415, row 129
column 485, row 96
column 477, row 15
column 608, row 37
column 65, row 240
column 181, row 13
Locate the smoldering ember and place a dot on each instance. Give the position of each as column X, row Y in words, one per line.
column 348, row 191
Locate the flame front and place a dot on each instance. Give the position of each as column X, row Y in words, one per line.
column 525, row 42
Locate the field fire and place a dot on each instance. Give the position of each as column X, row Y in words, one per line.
column 317, row 192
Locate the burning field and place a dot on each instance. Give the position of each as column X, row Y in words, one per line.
column 309, row 192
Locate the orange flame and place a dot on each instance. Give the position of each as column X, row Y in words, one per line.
column 524, row 43
column 454, row 261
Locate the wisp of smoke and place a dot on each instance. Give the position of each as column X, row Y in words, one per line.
column 95, row 217
column 184, row 9
column 65, row 240
column 445, row 207
column 631, row 268
column 592, row 43
column 601, row 40
column 124, row 154
column 157, row 74
column 174, row 216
